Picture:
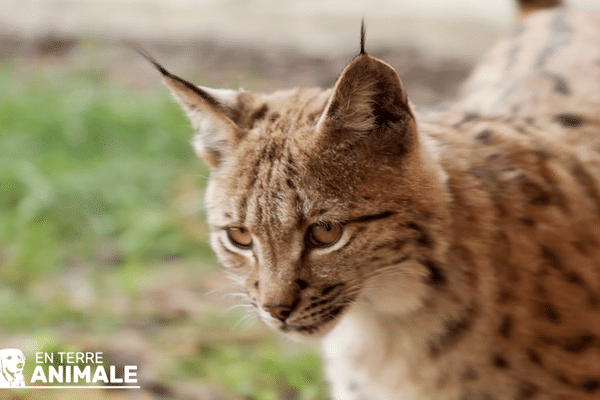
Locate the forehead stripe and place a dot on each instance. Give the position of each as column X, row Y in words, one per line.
column 369, row 218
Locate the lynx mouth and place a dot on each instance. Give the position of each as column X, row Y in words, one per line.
column 324, row 325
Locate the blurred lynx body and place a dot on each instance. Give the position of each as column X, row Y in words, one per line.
column 443, row 258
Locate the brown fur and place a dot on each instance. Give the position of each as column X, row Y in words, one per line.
column 469, row 263
column 527, row 7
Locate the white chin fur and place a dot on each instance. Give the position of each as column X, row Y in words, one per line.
column 396, row 291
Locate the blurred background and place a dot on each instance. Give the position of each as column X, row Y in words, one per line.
column 103, row 243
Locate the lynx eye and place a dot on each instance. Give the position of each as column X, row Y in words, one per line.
column 240, row 237
column 324, row 234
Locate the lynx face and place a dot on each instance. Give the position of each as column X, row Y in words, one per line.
column 295, row 200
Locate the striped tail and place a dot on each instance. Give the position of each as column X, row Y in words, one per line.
column 527, row 7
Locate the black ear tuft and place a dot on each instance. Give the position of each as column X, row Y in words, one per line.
column 362, row 37
column 191, row 87
column 209, row 112
column 150, row 59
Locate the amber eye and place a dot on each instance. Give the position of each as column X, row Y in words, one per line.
column 240, row 237
column 324, row 235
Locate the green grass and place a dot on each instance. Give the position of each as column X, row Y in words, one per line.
column 100, row 189
column 258, row 371
column 87, row 169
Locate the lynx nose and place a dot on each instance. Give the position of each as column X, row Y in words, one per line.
column 278, row 311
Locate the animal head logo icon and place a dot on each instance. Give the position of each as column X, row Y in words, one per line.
column 12, row 362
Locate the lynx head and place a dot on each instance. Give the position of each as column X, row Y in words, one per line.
column 314, row 195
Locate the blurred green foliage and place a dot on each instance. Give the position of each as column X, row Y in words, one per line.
column 89, row 171
column 258, row 371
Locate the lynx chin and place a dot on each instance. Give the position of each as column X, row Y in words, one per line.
column 447, row 256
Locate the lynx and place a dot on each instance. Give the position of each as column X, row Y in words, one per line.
column 447, row 256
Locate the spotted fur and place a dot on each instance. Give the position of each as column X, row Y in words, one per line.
column 468, row 264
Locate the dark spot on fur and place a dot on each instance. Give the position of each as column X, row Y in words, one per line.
column 436, row 275
column 536, row 194
column 306, row 328
column 259, row 114
column 501, row 211
column 467, row 117
column 505, row 296
column 290, row 171
column 385, row 116
column 533, row 356
column 561, row 86
column 568, row 120
column 499, row 362
column 493, row 157
column 256, row 285
column 552, row 259
column 470, row 374
column 506, row 327
column 529, row 120
column 302, row 284
column 484, row 136
column 528, row 222
column 526, row 390
column 593, row 301
column 579, row 344
column 540, row 290
column 274, row 152
column 591, row 385
column 332, row 313
column 290, row 184
column 454, row 330
column 549, row 312
column 274, row 117
column 328, row 289
column 422, row 238
column 562, row 378
column 574, row 278
column 580, row 247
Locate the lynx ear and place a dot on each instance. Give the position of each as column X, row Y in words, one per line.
column 369, row 103
column 209, row 111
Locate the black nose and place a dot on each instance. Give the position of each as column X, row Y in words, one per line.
column 278, row 311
